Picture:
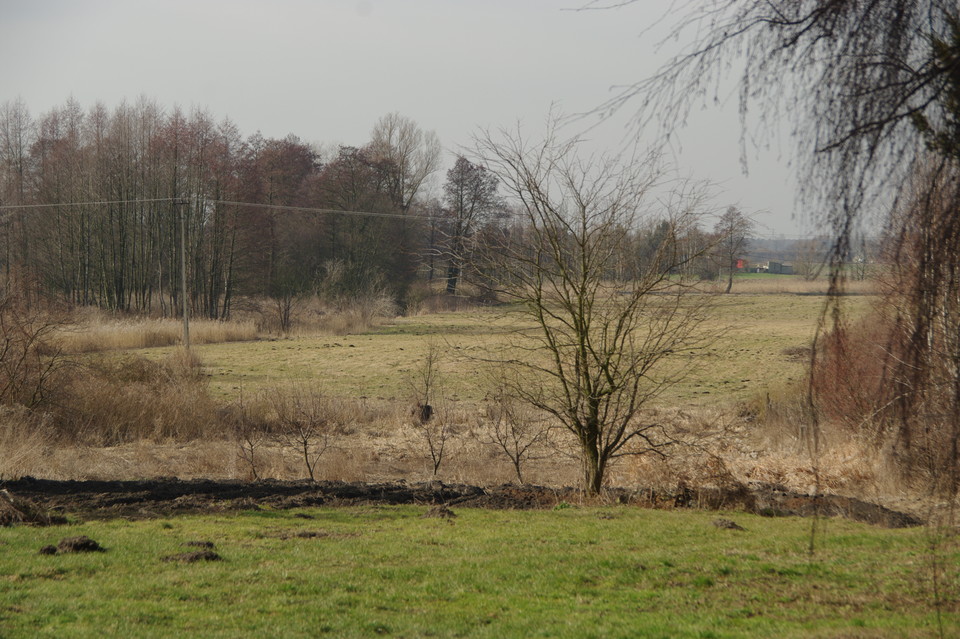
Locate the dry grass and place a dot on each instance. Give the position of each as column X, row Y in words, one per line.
column 111, row 400
column 737, row 419
column 311, row 316
column 377, row 442
column 96, row 333
column 27, row 440
column 763, row 284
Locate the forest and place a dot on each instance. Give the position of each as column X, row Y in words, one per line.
column 96, row 204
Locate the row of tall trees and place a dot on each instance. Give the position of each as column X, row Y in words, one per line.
column 121, row 182
column 97, row 204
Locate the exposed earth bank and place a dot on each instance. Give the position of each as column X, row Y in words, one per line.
column 166, row 497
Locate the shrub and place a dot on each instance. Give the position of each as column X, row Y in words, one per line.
column 29, row 359
column 305, row 421
column 115, row 400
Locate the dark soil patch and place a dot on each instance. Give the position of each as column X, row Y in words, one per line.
column 167, row 497
column 314, row 534
column 209, row 545
column 79, row 544
column 193, row 557
column 727, row 524
column 17, row 510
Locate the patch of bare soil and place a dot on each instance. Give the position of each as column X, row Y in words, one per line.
column 193, row 557
column 171, row 496
column 78, row 544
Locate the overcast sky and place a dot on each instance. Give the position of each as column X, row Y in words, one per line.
column 326, row 70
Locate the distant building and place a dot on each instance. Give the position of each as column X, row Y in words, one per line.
column 775, row 268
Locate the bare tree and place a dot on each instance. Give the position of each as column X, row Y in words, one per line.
column 304, row 424
column 599, row 353
column 811, row 255
column 429, row 418
column 873, row 92
column 470, row 194
column 411, row 153
column 406, row 156
column 518, row 430
column 733, row 230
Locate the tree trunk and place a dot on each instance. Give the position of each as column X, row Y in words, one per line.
column 592, row 464
column 453, row 275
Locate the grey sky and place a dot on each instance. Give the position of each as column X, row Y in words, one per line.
column 326, row 70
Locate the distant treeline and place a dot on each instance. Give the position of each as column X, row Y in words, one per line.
column 124, row 179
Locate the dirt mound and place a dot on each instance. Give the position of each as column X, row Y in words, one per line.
column 170, row 496
column 16, row 510
column 79, row 544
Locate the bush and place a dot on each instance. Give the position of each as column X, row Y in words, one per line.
column 29, row 359
column 111, row 401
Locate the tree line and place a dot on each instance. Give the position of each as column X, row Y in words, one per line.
column 97, row 203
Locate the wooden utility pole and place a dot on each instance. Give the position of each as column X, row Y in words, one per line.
column 179, row 205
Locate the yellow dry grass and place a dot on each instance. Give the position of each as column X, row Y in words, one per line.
column 763, row 284
column 372, row 375
column 105, row 334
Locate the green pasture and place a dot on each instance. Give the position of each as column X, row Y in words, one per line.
column 388, row 571
column 753, row 352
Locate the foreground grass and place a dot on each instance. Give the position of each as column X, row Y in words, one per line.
column 386, row 571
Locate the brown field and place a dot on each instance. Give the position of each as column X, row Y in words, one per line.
column 368, row 384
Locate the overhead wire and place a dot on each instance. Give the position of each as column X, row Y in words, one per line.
column 306, row 209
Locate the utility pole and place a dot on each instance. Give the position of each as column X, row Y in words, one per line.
column 179, row 205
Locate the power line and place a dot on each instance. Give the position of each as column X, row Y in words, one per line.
column 278, row 207
column 11, row 207
column 310, row 209
column 317, row 210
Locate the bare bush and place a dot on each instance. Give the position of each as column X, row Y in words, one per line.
column 29, row 359
column 429, row 416
column 517, row 429
column 250, row 433
column 304, row 423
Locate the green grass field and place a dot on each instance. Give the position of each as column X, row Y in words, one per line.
column 387, row 571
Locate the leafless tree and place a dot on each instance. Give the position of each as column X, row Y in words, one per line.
column 429, row 417
column 470, row 194
column 810, row 258
column 411, row 153
column 599, row 353
column 873, row 94
column 406, row 157
column 304, row 423
column 518, row 429
column 733, row 230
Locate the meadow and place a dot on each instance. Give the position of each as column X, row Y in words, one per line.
column 582, row 569
column 759, row 336
column 144, row 412
column 391, row 571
